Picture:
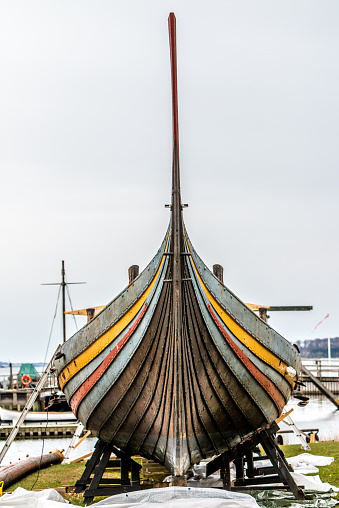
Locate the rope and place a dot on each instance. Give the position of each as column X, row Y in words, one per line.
column 42, row 452
column 44, row 364
column 48, row 343
column 50, row 334
column 70, row 301
column 49, row 340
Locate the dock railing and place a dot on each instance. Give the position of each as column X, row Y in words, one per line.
column 322, row 367
column 14, row 382
column 321, row 376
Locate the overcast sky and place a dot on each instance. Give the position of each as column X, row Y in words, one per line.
column 86, row 153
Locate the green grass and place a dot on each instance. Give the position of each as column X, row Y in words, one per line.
column 54, row 476
column 60, row 475
column 328, row 474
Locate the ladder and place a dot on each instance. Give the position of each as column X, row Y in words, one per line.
column 288, row 420
column 28, row 406
column 72, row 444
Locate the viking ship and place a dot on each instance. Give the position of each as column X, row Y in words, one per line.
column 176, row 368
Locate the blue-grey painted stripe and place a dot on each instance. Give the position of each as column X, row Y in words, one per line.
column 245, row 317
column 259, row 396
column 76, row 381
column 111, row 314
column 88, row 405
column 277, row 379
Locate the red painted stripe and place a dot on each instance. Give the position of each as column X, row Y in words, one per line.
column 100, row 370
column 173, row 53
column 268, row 386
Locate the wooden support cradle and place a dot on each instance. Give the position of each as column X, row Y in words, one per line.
column 248, row 475
column 252, row 477
column 94, row 484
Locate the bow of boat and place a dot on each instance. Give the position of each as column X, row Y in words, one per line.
column 177, row 368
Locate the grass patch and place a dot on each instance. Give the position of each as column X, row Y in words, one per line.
column 54, row 476
column 329, row 473
column 58, row 475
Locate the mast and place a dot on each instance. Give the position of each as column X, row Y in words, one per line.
column 63, row 285
column 176, row 196
column 173, row 56
column 176, row 247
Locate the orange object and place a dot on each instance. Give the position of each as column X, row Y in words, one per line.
column 26, row 380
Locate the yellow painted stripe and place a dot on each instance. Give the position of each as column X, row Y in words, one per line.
column 250, row 342
column 102, row 342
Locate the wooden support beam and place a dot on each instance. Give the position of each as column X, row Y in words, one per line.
column 293, row 307
column 94, row 484
column 278, row 461
column 282, row 416
column 253, row 477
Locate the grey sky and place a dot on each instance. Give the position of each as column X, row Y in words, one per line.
column 86, row 153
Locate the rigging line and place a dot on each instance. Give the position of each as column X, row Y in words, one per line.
column 70, row 302
column 42, row 452
column 49, row 340
column 50, row 333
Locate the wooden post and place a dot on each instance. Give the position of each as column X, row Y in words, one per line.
column 218, row 271
column 15, row 400
column 10, row 376
column 133, row 273
column 263, row 314
column 225, row 473
column 90, row 314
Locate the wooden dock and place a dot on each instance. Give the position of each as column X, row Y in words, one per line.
column 318, row 370
column 39, row 430
column 16, row 399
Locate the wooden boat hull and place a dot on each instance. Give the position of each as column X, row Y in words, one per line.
column 233, row 376
column 176, row 368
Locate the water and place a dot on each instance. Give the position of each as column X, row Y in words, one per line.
column 20, row 448
column 319, row 413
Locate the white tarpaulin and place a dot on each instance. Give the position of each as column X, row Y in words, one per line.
column 169, row 497
column 177, row 497
column 299, row 466
column 313, row 483
column 313, row 460
column 303, row 468
column 21, row 498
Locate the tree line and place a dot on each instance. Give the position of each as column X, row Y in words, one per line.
column 317, row 348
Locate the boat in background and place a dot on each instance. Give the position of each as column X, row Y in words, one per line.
column 11, row 416
column 176, row 368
